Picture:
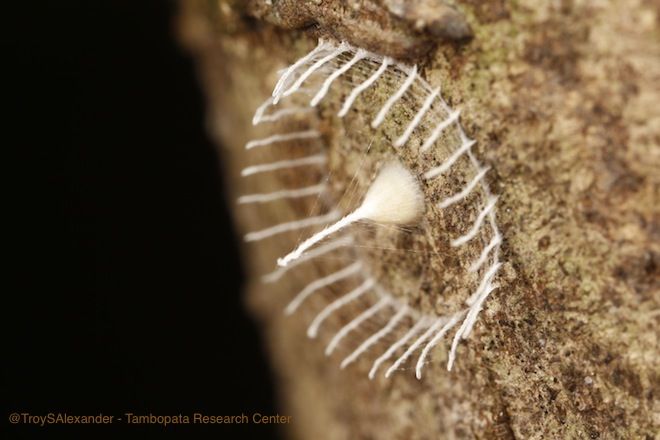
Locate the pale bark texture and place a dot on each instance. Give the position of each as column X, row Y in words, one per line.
column 563, row 99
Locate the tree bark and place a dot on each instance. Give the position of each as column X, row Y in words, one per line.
column 562, row 98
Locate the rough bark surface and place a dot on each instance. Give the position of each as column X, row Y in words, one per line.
column 562, row 98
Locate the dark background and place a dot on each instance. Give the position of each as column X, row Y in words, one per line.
column 128, row 294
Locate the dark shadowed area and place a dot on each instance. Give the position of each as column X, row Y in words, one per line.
column 129, row 297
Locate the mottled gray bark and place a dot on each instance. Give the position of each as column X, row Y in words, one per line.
column 562, row 98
